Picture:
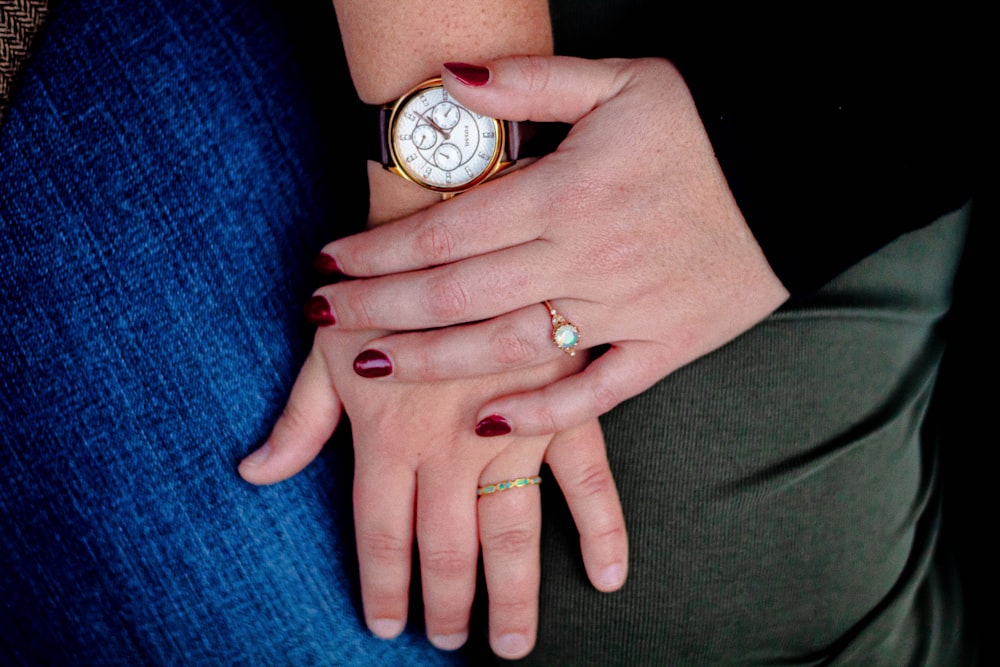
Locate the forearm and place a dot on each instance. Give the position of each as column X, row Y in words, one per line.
column 388, row 53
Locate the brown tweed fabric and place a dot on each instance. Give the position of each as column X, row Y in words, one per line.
column 20, row 21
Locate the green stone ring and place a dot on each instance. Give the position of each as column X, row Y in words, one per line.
column 509, row 484
column 565, row 334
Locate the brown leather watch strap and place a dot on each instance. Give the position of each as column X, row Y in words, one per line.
column 524, row 138
column 378, row 147
column 531, row 139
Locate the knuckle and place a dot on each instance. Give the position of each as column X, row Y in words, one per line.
column 359, row 308
column 515, row 603
column 598, row 484
column 355, row 257
column 595, row 480
column 512, row 348
column 447, row 301
column 384, row 548
column 446, row 563
column 535, row 71
column 547, row 420
column 510, row 607
column 435, row 243
column 611, row 532
column 603, row 398
column 293, row 420
column 297, row 427
column 511, row 540
column 422, row 363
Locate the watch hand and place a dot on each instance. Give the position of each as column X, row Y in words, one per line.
column 444, row 133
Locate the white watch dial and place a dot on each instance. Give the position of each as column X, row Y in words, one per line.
column 440, row 143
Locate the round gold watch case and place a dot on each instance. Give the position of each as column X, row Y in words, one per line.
column 439, row 144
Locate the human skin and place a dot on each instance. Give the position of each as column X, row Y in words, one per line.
column 629, row 227
column 417, row 462
column 663, row 268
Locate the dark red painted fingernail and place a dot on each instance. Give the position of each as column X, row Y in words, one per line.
column 372, row 364
column 318, row 311
column 492, row 426
column 326, row 264
column 471, row 75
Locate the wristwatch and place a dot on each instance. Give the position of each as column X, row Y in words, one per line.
column 430, row 139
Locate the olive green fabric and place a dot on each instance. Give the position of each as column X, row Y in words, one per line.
column 780, row 493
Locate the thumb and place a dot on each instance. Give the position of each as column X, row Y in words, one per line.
column 307, row 422
column 538, row 88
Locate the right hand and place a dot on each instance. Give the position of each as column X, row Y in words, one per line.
column 629, row 228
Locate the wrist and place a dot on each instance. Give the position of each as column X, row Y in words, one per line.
column 392, row 198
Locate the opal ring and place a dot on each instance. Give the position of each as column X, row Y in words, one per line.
column 509, row 484
column 565, row 334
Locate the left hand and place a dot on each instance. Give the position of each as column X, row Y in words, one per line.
column 629, row 228
column 417, row 466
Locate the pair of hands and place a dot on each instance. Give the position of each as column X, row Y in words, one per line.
column 629, row 229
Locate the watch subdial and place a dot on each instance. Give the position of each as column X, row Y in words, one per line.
column 424, row 137
column 438, row 143
column 448, row 156
column 446, row 115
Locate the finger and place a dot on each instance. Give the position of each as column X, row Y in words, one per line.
column 440, row 234
column 306, row 424
column 510, row 533
column 515, row 340
column 448, row 543
column 383, row 517
column 465, row 291
column 578, row 460
column 624, row 371
column 541, row 88
column 523, row 87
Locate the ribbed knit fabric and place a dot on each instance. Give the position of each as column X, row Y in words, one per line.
column 20, row 22
column 782, row 494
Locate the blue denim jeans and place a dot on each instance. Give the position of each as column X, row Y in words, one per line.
column 167, row 173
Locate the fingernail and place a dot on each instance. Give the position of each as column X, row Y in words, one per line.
column 511, row 646
column 612, row 577
column 471, row 75
column 492, row 426
column 386, row 628
column 326, row 264
column 372, row 364
column 449, row 642
column 318, row 311
column 260, row 456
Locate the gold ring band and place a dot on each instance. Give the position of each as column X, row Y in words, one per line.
column 509, row 484
column 565, row 334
